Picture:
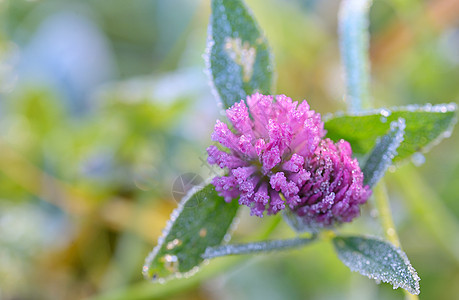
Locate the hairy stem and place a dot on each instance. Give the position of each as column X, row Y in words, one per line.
column 258, row 247
column 387, row 223
column 354, row 45
column 385, row 214
column 432, row 213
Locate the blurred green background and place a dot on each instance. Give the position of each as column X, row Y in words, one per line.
column 103, row 104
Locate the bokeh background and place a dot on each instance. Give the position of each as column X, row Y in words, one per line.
column 103, row 104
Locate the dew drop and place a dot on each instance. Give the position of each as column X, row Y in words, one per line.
column 171, row 263
column 145, row 270
column 374, row 213
column 172, row 244
column 447, row 134
column 174, row 215
column 390, row 231
column 418, row 159
column 192, row 271
column 385, row 112
column 227, row 238
column 383, row 119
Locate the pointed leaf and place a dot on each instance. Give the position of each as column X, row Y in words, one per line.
column 238, row 58
column 426, row 126
column 382, row 154
column 202, row 220
column 378, row 260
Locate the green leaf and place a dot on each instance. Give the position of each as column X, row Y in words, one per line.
column 378, row 260
column 382, row 154
column 238, row 56
column 426, row 126
column 202, row 220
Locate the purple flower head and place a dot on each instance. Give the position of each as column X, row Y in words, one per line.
column 277, row 157
column 335, row 190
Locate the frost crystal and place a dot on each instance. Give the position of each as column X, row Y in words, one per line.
column 378, row 260
column 277, row 158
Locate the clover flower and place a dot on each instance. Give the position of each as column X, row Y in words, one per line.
column 335, row 190
column 277, row 158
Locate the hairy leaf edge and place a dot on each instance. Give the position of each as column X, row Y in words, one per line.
column 399, row 251
column 207, row 53
column 437, row 108
column 170, row 223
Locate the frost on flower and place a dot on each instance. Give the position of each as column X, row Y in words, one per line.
column 277, row 158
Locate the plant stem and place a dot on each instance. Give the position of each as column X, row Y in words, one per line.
column 430, row 210
column 354, row 45
column 258, row 247
column 385, row 215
